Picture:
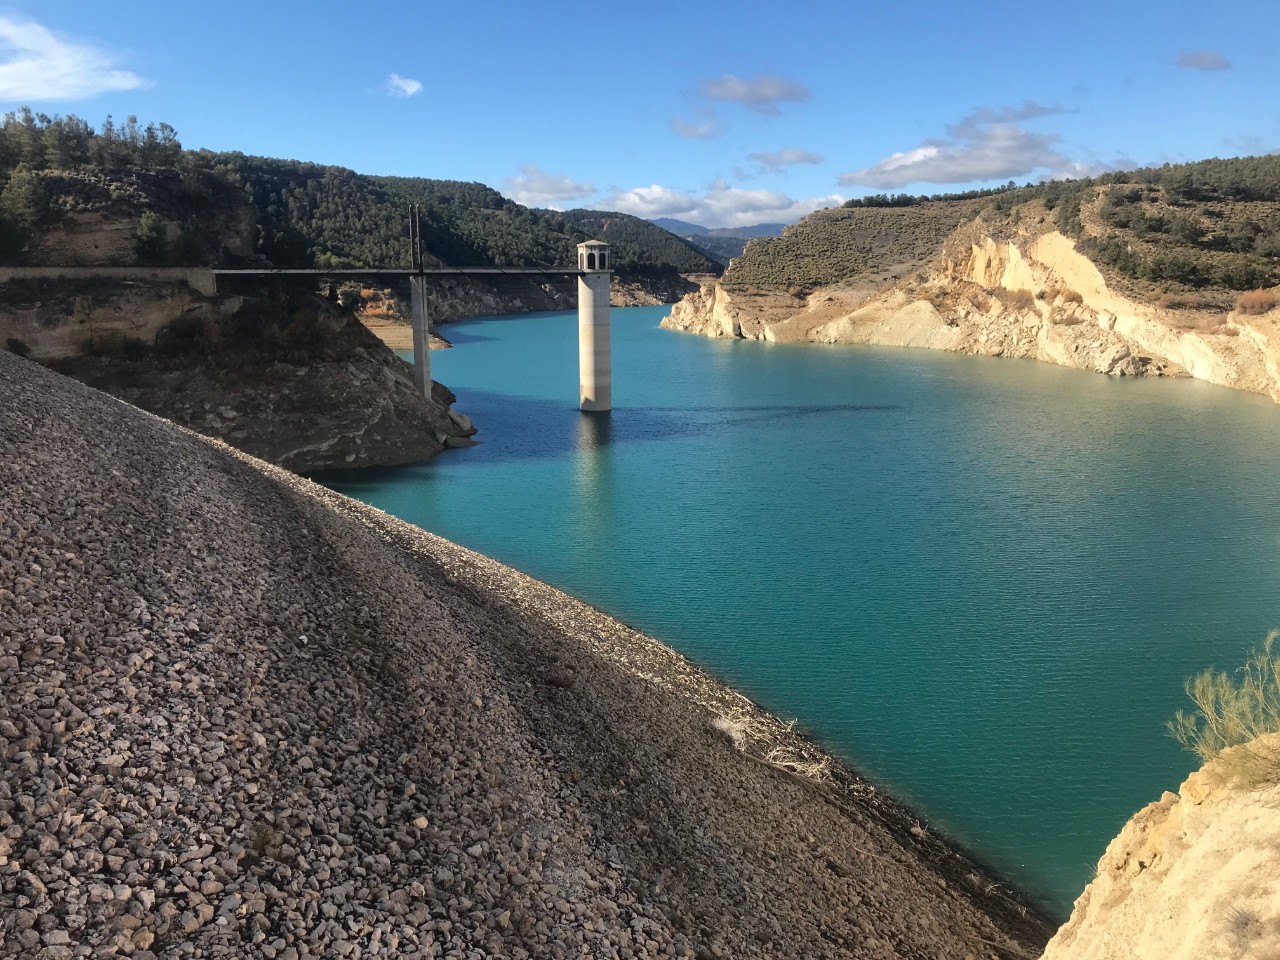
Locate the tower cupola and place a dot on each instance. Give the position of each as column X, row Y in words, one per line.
column 593, row 256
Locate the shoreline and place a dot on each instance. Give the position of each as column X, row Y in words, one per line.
column 397, row 335
column 756, row 731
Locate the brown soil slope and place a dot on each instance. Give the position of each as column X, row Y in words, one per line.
column 244, row 716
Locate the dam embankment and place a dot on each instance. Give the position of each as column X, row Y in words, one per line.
column 243, row 713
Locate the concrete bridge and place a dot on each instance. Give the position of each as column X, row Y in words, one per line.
column 592, row 271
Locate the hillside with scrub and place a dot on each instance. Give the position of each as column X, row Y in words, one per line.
column 1208, row 225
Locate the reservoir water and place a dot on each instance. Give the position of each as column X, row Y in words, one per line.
column 981, row 582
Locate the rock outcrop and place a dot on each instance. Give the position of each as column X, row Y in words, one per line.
column 294, row 380
column 1194, row 875
column 56, row 319
column 1031, row 296
column 246, row 717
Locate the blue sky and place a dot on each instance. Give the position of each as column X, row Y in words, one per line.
column 719, row 113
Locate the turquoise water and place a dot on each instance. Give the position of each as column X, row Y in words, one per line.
column 980, row 581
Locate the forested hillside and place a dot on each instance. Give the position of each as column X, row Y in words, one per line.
column 307, row 213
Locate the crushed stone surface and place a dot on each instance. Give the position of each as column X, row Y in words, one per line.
column 244, row 716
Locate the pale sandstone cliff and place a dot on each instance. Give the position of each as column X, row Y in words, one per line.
column 1195, row 875
column 979, row 297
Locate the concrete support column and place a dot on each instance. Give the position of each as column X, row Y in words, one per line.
column 594, row 365
column 421, row 335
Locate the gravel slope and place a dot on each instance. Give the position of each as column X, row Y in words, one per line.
column 245, row 716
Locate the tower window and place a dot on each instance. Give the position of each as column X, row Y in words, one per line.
column 591, row 261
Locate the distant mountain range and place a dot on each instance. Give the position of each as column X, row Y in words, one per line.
column 721, row 243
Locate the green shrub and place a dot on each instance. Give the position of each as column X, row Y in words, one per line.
column 1233, row 710
column 149, row 241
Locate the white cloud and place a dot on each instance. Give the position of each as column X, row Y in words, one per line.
column 776, row 160
column 985, row 145
column 1203, row 60
column 36, row 64
column 704, row 128
column 1030, row 110
column 535, row 187
column 762, row 93
column 1251, row 145
column 970, row 126
column 720, row 205
column 398, row 86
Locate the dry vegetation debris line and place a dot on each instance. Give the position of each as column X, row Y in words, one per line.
column 244, row 716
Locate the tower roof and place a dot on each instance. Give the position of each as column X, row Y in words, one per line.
column 592, row 243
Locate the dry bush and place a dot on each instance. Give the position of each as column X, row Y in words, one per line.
column 1185, row 300
column 937, row 296
column 1256, row 302
column 1017, row 299
column 776, row 745
column 1199, row 322
column 1234, row 710
column 1065, row 294
column 1173, row 301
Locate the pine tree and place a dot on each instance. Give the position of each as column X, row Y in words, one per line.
column 22, row 203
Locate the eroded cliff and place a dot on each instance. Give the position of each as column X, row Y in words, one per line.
column 286, row 376
column 1012, row 286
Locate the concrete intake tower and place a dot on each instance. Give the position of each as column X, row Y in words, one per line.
column 594, row 365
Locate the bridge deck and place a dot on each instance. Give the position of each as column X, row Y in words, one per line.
column 396, row 272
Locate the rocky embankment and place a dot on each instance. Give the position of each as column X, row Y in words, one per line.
column 1194, row 875
column 1031, row 296
column 247, row 717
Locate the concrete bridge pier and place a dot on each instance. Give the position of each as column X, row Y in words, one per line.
column 595, row 372
column 421, row 334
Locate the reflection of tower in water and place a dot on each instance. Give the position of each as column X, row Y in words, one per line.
column 595, row 430
column 593, row 479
